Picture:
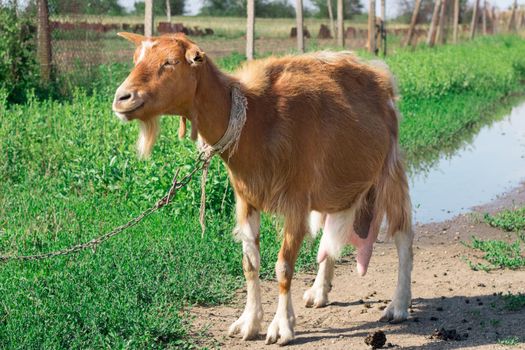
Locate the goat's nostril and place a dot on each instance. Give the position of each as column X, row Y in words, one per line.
column 124, row 97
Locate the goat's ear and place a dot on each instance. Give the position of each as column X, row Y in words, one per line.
column 136, row 39
column 194, row 55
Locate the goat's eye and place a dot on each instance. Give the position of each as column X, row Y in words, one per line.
column 170, row 63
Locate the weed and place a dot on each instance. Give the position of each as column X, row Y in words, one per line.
column 511, row 341
column 513, row 302
column 499, row 254
column 508, row 220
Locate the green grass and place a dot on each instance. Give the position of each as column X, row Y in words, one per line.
column 514, row 302
column 510, row 341
column 498, row 254
column 508, row 220
column 69, row 172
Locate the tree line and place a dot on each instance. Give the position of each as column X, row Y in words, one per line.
column 234, row 8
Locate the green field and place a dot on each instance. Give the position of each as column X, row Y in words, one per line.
column 69, row 172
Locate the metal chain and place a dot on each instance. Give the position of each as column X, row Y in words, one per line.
column 201, row 162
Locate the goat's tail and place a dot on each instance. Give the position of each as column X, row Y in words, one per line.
column 392, row 194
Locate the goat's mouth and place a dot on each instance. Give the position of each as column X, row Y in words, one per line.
column 126, row 114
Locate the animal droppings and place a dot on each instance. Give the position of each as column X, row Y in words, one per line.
column 376, row 340
column 447, row 334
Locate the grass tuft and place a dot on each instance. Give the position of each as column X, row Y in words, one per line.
column 508, row 220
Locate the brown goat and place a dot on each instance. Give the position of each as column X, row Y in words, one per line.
column 319, row 145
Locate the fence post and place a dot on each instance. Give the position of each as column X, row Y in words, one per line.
column 520, row 20
column 484, row 17
column 474, row 22
column 250, row 28
column 512, row 15
column 340, row 24
column 431, row 39
column 331, row 16
column 495, row 20
column 148, row 18
column 413, row 22
column 299, row 21
column 168, row 10
column 456, row 21
column 440, row 36
column 372, row 26
column 44, row 41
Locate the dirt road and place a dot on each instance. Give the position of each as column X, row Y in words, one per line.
column 446, row 293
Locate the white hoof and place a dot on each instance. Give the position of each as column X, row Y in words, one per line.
column 316, row 297
column 281, row 330
column 394, row 313
column 248, row 325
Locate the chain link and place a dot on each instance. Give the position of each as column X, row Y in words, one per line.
column 200, row 163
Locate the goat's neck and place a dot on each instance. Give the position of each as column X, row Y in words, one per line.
column 212, row 103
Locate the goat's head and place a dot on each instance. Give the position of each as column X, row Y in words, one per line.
column 163, row 81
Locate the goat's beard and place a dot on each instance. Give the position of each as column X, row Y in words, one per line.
column 149, row 130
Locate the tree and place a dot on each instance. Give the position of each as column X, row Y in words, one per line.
column 87, row 7
column 351, row 8
column 160, row 6
column 237, row 8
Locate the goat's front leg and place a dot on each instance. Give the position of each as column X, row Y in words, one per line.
column 281, row 328
column 248, row 222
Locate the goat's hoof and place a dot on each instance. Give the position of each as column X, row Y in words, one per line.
column 394, row 314
column 315, row 297
column 248, row 325
column 280, row 331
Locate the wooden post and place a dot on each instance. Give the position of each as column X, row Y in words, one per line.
column 495, row 21
column 331, row 16
column 250, row 29
column 440, row 36
column 44, row 41
column 340, row 24
column 299, row 21
column 484, row 17
column 431, row 39
column 520, row 19
column 382, row 39
column 512, row 16
column 372, row 26
column 413, row 22
column 168, row 11
column 148, row 18
column 456, row 21
column 474, row 22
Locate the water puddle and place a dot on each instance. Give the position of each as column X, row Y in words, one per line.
column 492, row 163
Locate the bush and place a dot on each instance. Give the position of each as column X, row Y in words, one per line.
column 18, row 68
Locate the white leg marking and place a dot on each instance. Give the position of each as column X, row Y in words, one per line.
column 336, row 233
column 317, row 296
column 283, row 323
column 397, row 310
column 249, row 323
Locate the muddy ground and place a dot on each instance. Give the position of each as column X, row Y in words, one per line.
column 446, row 293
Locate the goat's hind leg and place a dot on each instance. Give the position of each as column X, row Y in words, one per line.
column 399, row 216
column 397, row 310
column 317, row 295
column 248, row 222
